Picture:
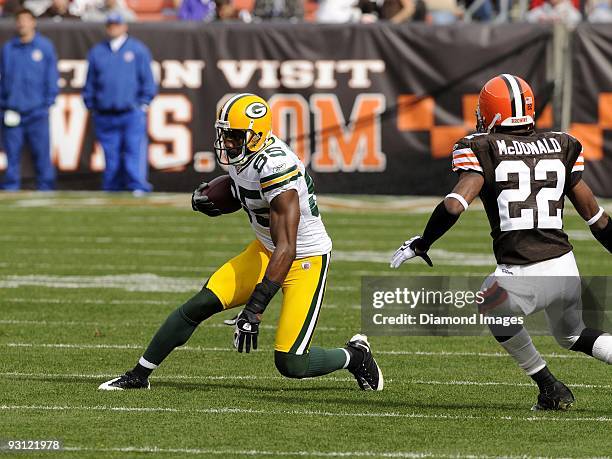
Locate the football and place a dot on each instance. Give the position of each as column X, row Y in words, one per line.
column 219, row 191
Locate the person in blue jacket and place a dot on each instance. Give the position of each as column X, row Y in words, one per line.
column 118, row 91
column 28, row 87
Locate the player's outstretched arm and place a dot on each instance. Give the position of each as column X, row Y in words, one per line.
column 284, row 221
column 587, row 207
column 444, row 216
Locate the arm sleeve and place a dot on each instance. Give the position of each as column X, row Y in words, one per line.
column 148, row 88
column 89, row 88
column 464, row 158
column 52, row 77
column 278, row 175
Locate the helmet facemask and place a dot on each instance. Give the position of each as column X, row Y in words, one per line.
column 232, row 146
column 481, row 125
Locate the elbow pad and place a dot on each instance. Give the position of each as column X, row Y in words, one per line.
column 604, row 236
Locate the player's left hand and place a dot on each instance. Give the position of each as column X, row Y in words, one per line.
column 247, row 330
column 201, row 203
column 414, row 247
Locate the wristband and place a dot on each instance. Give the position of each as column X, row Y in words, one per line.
column 595, row 217
column 262, row 295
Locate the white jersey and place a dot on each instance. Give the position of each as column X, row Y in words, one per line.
column 265, row 175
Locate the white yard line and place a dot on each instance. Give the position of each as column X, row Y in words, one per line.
column 276, row 413
column 73, row 323
column 255, row 452
column 529, row 386
column 229, row 349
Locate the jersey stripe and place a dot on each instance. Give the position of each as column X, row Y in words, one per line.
column 292, row 176
column 465, row 159
column 579, row 164
column 266, row 179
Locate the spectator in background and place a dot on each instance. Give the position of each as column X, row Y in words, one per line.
column 226, row 11
column 118, row 90
column 599, row 11
column 443, row 11
column 397, row 11
column 555, row 11
column 10, row 7
column 28, row 87
column 279, row 9
column 338, row 11
column 59, row 10
column 100, row 11
column 195, row 10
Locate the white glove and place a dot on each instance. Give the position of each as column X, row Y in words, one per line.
column 410, row 249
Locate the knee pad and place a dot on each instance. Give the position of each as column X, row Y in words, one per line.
column 291, row 365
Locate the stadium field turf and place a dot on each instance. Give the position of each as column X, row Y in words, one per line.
column 87, row 278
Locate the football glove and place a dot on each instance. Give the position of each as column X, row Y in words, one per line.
column 201, row 203
column 414, row 247
column 247, row 330
column 247, row 322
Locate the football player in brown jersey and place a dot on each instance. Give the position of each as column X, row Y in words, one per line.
column 522, row 178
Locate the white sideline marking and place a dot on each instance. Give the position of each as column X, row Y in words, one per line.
column 325, row 378
column 233, row 410
column 137, row 282
column 231, row 349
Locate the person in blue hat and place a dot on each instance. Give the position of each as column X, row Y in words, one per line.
column 118, row 91
column 28, row 87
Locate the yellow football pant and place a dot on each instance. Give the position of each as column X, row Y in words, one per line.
column 303, row 291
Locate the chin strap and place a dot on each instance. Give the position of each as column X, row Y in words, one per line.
column 495, row 119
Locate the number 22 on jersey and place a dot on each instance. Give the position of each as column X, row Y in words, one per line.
column 505, row 171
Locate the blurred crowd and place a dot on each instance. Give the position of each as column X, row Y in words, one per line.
column 569, row 12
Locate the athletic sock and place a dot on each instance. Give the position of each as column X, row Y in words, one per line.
column 544, row 379
column 521, row 348
column 324, row 361
column 174, row 332
column 602, row 348
column 143, row 368
column 595, row 343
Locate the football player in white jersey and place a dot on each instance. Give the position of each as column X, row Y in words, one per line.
column 291, row 252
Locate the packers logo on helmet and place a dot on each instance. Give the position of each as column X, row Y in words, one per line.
column 243, row 126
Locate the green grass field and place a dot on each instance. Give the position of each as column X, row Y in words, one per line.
column 86, row 279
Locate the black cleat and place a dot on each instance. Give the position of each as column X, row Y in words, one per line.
column 367, row 373
column 557, row 397
column 127, row 381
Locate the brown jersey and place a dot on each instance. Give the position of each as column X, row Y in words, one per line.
column 526, row 178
